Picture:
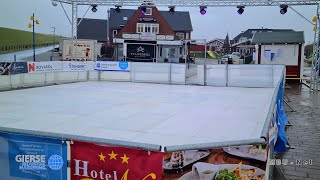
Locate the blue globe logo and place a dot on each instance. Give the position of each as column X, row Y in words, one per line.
column 123, row 65
column 55, row 162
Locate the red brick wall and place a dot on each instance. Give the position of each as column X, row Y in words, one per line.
column 131, row 27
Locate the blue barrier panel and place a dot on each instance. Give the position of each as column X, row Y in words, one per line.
column 31, row 157
column 281, row 120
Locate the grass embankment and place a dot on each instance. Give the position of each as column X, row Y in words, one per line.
column 12, row 40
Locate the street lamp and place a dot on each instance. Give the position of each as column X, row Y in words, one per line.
column 54, row 33
column 33, row 37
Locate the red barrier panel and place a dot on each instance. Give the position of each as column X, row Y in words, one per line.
column 92, row 161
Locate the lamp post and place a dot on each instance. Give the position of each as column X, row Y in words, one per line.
column 54, row 33
column 33, row 35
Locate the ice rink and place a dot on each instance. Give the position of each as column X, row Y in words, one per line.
column 158, row 114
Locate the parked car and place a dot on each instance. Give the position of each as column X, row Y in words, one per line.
column 227, row 58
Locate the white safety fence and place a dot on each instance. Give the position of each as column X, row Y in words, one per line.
column 255, row 76
column 107, row 71
column 166, row 73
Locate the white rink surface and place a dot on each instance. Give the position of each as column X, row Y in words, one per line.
column 147, row 113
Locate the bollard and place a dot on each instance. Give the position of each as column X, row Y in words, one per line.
column 51, row 58
column 15, row 57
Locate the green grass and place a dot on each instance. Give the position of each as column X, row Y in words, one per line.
column 200, row 54
column 12, row 40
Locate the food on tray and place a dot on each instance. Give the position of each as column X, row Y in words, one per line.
column 177, row 159
column 246, row 174
column 224, row 174
column 207, row 172
column 258, row 152
column 181, row 159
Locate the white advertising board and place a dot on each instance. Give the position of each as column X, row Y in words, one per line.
column 86, row 50
column 112, row 66
column 41, row 67
column 78, row 66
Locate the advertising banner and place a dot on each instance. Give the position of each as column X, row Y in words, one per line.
column 5, row 68
column 92, row 161
column 77, row 66
column 19, row 68
column 41, row 67
column 232, row 163
column 29, row 157
column 141, row 51
column 112, row 66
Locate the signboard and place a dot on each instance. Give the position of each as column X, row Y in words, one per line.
column 112, row 66
column 84, row 50
column 92, row 161
column 5, row 68
column 140, row 51
column 41, row 67
column 148, row 36
column 19, row 68
column 147, row 19
column 32, row 157
column 78, row 66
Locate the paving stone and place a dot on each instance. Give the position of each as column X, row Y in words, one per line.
column 304, row 135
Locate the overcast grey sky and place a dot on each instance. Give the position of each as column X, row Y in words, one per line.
column 215, row 24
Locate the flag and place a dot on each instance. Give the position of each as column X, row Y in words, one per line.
column 92, row 162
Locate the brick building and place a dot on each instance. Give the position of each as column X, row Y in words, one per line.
column 155, row 36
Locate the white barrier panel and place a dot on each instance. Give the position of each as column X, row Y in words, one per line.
column 250, row 75
column 83, row 76
column 216, row 75
column 93, row 75
column 178, row 74
column 151, row 72
column 115, row 76
column 50, row 78
column 77, row 66
column 33, row 79
column 42, row 67
column 16, row 80
column 200, row 74
column 278, row 70
column 5, row 82
column 112, row 66
column 66, row 77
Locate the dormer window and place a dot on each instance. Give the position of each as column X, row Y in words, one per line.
column 148, row 11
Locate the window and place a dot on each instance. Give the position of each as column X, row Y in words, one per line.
column 148, row 11
column 180, row 36
column 114, row 32
column 187, row 36
column 147, row 27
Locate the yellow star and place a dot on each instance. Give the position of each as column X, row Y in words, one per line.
column 102, row 157
column 113, row 155
column 125, row 159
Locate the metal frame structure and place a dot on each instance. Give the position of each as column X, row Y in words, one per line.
column 314, row 79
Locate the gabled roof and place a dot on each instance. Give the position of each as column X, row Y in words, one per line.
column 250, row 32
column 216, row 39
column 95, row 29
column 117, row 19
column 178, row 21
column 290, row 37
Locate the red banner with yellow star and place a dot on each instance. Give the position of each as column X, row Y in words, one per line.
column 92, row 162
